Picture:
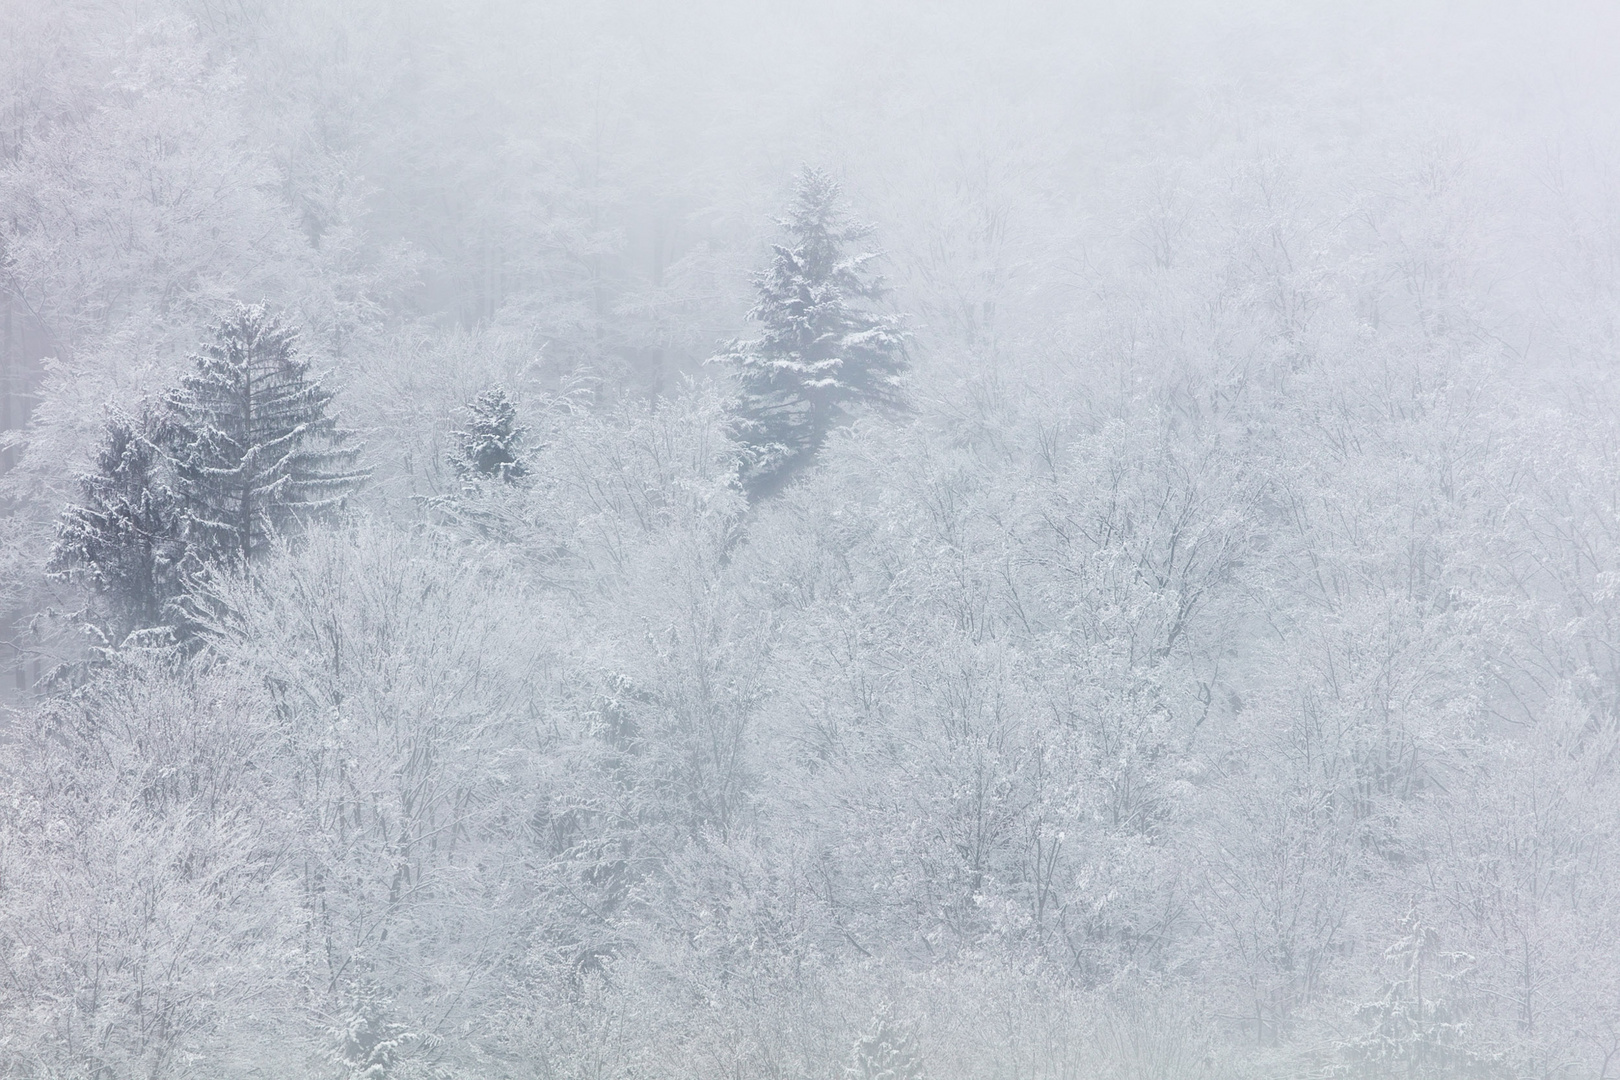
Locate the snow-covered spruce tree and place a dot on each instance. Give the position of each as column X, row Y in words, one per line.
column 253, row 448
column 824, row 345
column 491, row 445
column 888, row 1051
column 122, row 538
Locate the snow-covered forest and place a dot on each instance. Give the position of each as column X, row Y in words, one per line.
column 927, row 540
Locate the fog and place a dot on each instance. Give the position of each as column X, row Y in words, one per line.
column 841, row 541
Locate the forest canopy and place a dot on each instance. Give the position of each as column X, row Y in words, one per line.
column 647, row 541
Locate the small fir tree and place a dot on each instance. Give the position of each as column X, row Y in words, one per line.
column 824, row 346
column 1415, row 1029
column 491, row 445
column 123, row 538
column 888, row 1051
column 370, row 1043
column 254, row 450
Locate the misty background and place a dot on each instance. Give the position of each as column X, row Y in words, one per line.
column 1200, row 659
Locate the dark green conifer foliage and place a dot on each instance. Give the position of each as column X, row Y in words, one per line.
column 491, row 445
column 824, row 345
column 253, row 448
column 123, row 538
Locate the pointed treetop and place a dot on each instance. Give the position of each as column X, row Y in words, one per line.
column 819, row 220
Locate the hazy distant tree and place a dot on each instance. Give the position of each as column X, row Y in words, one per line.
column 824, row 348
column 123, row 537
column 253, row 447
column 491, row 445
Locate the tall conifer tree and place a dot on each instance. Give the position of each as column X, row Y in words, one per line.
column 254, row 450
column 824, row 347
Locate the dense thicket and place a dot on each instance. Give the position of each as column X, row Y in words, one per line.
column 1213, row 671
